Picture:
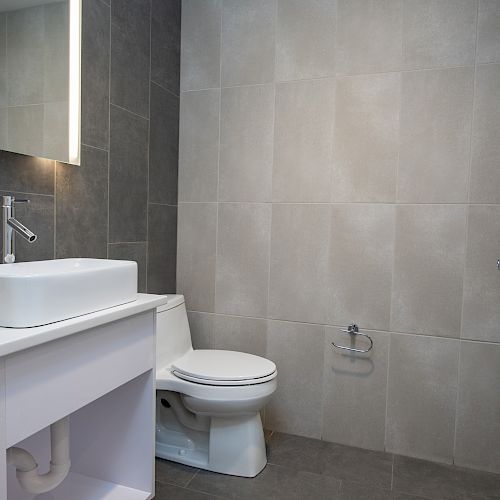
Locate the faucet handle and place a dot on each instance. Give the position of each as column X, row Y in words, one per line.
column 16, row 200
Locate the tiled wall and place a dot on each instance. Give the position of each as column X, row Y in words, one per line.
column 340, row 161
column 121, row 202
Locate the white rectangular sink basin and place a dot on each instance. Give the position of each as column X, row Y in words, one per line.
column 38, row 293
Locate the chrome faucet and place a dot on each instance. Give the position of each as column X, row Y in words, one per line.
column 11, row 226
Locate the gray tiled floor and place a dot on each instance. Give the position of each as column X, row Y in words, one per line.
column 302, row 468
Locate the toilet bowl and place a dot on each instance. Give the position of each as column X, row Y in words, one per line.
column 208, row 401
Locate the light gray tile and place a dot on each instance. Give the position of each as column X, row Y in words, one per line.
column 199, row 145
column 202, row 329
column 303, row 141
column 352, row 383
column 428, row 269
column 242, row 275
column 481, row 315
column 361, row 260
column 436, row 113
column 422, row 396
column 3, row 60
column 488, row 32
column 485, row 174
column 299, row 262
column 200, row 44
column 297, row 350
column 248, row 28
column 305, row 39
column 25, row 129
column 55, row 130
column 439, row 33
column 196, row 243
column 246, row 149
column 366, row 149
column 478, row 426
column 369, row 36
column 235, row 333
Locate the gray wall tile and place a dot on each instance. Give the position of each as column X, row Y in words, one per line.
column 235, row 333
column 305, row 39
column 246, row 143
column 485, row 174
column 242, row 274
column 361, row 261
column 199, row 145
column 247, row 51
column 428, row 269
column 3, row 60
column 439, row 33
column 422, row 396
column 352, row 383
column 132, row 251
column 303, row 141
column 3, row 128
column 196, row 247
column 200, row 44
column 478, row 427
column 369, row 36
column 297, row 350
column 202, row 329
column 25, row 129
column 488, row 32
column 481, row 316
column 366, row 107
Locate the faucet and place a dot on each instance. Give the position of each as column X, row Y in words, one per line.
column 11, row 226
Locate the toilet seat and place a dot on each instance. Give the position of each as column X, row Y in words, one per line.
column 223, row 368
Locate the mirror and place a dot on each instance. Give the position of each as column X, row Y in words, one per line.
column 40, row 78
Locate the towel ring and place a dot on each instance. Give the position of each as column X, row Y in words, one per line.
column 353, row 330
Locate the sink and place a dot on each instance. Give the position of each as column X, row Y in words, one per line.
column 38, row 293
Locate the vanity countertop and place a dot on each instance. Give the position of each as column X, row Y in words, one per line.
column 16, row 339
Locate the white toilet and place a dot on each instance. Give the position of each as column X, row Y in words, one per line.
column 208, row 401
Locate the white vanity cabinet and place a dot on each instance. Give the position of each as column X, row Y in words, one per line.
column 99, row 370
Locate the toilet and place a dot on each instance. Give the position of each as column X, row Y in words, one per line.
column 208, row 401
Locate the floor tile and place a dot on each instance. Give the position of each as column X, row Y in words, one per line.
column 174, row 473
column 171, row 492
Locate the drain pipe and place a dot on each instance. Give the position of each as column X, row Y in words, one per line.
column 184, row 416
column 27, row 468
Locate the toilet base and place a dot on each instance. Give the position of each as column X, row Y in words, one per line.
column 233, row 446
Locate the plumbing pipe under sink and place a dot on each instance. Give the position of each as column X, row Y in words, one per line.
column 27, row 468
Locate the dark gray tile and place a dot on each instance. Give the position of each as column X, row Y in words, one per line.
column 162, row 248
column 95, row 73
column 38, row 215
column 163, row 146
column 357, row 491
column 173, row 473
column 171, row 492
column 82, row 206
column 26, row 174
column 128, row 177
column 135, row 252
column 130, row 40
column 166, row 43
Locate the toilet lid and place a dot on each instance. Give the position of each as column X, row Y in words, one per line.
column 210, row 366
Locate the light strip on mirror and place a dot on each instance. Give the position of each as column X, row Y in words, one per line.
column 75, row 10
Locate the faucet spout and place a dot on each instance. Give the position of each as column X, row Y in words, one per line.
column 22, row 230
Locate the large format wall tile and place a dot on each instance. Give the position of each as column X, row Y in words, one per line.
column 196, row 244
column 478, row 426
column 305, row 39
column 130, row 48
column 485, row 174
column 439, row 33
column 366, row 107
column 198, row 145
column 235, row 333
column 246, row 143
column 297, row 350
column 352, row 383
column 201, row 326
column 299, row 262
column 361, row 260
column 369, row 36
column 3, row 60
column 248, row 29
column 200, row 44
column 428, row 269
column 488, row 32
column 242, row 276
column 436, row 114
column 303, row 141
column 132, row 251
column 422, row 396
column 481, row 314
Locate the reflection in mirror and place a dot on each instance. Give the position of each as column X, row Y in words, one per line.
column 40, row 78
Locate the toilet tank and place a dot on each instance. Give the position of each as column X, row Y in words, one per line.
column 173, row 337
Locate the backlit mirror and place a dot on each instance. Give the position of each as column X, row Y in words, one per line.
column 40, row 78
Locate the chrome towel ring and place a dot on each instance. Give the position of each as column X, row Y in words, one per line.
column 353, row 330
